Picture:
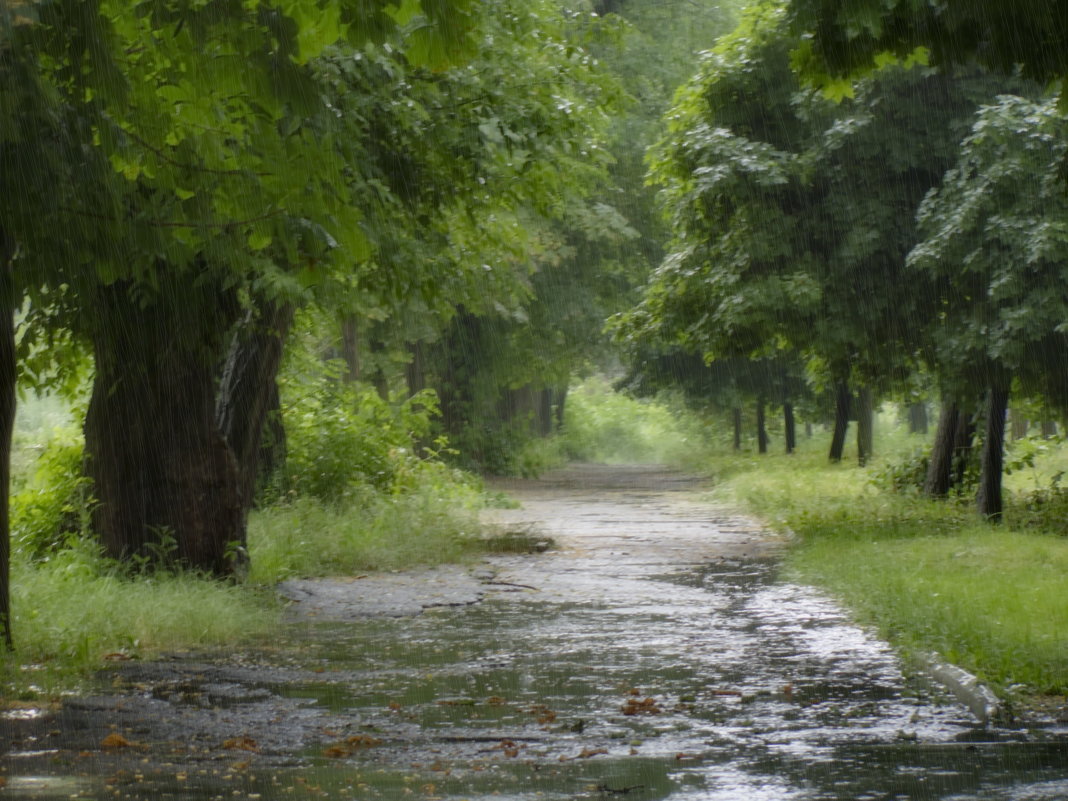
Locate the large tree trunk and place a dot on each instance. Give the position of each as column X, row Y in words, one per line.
column 988, row 499
column 940, row 467
column 865, row 425
column 168, row 485
column 248, row 392
column 842, row 400
column 761, row 426
column 8, row 372
column 789, row 426
column 736, row 421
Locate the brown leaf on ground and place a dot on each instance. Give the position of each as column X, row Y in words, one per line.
column 117, row 656
column 585, row 753
column 337, row 751
column 242, row 743
column 362, row 741
column 646, row 706
column 496, row 700
column 115, row 740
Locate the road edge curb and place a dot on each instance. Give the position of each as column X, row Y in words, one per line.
column 966, row 688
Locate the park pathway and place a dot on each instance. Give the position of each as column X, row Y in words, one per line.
column 652, row 652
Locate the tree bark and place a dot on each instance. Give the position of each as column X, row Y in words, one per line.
column 545, row 412
column 8, row 373
column 963, row 439
column 940, row 467
column 842, row 400
column 248, row 392
column 918, row 418
column 865, row 425
column 167, row 483
column 350, row 347
column 415, row 369
column 762, row 431
column 988, row 500
column 736, row 420
column 378, row 378
column 1019, row 425
column 789, row 426
column 559, row 401
column 1048, row 429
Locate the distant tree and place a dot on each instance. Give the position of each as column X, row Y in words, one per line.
column 792, row 215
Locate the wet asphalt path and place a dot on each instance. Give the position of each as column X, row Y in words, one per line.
column 652, row 653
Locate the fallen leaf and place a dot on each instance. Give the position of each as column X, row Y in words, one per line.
column 336, row 751
column 117, row 656
column 647, row 706
column 115, row 740
column 242, row 743
column 394, row 706
column 495, row 700
column 362, row 741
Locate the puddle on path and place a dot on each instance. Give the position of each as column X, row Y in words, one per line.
column 653, row 654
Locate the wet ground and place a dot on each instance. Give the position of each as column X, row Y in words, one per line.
column 650, row 653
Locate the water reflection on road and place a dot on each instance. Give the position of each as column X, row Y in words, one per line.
column 652, row 654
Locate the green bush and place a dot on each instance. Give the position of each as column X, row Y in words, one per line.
column 603, row 425
column 343, row 440
column 54, row 504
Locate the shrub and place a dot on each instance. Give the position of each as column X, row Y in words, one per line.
column 54, row 504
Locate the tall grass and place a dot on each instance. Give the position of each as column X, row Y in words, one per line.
column 927, row 574
column 76, row 610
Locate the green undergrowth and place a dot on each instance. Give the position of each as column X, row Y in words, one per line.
column 927, row 574
column 608, row 427
column 359, row 493
column 77, row 610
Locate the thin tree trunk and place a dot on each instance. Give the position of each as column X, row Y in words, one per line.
column 736, row 420
column 545, row 412
column 248, row 393
column 350, row 347
column 762, row 431
column 378, row 377
column 842, row 400
column 865, row 425
column 808, row 430
column 963, row 439
column 1048, row 429
column 1019, row 424
column 8, row 373
column 918, row 418
column 167, row 483
column 988, row 500
column 789, row 426
column 940, row 467
column 559, row 402
column 415, row 369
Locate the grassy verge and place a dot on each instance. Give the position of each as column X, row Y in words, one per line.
column 926, row 574
column 73, row 610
